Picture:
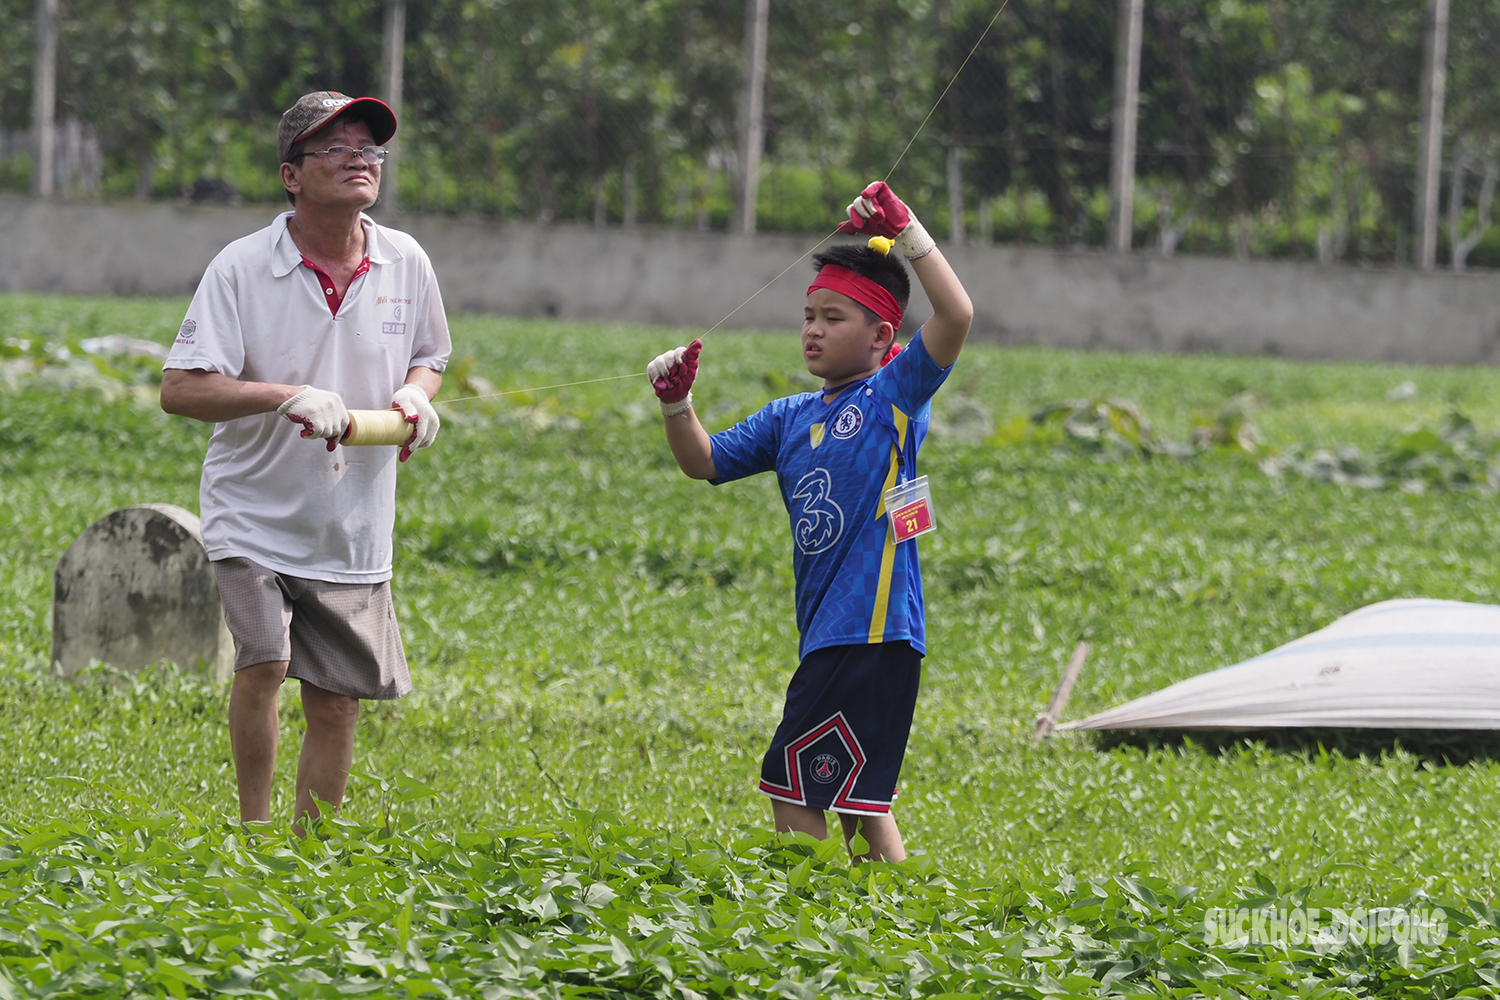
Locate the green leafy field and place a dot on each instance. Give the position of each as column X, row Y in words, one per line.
column 566, row 805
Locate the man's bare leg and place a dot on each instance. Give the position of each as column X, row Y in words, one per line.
column 253, row 734
column 882, row 834
column 327, row 751
column 801, row 819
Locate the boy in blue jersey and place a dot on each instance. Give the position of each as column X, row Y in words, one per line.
column 835, row 452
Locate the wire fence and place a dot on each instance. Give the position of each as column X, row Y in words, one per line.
column 1266, row 128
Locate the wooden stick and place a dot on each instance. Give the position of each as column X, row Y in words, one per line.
column 1048, row 719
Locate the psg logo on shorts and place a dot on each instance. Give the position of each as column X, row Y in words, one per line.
column 847, row 425
column 825, row 768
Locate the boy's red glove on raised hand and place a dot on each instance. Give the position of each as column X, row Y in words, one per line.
column 672, row 376
column 877, row 212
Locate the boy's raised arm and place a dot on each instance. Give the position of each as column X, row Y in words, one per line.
column 952, row 311
column 878, row 212
column 672, row 376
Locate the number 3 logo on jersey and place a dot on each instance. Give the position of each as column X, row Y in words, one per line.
column 821, row 521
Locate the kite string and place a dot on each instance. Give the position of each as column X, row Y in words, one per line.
column 952, row 80
column 538, row 388
column 753, row 295
column 771, row 282
column 615, row 378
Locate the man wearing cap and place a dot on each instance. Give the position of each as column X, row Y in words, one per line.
column 322, row 310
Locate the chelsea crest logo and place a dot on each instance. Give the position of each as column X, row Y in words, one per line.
column 848, row 423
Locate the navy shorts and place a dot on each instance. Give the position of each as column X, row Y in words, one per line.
column 843, row 732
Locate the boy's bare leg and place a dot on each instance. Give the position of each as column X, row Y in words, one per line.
column 799, row 819
column 327, row 751
column 882, row 834
column 253, row 734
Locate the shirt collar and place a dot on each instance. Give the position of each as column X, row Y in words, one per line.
column 843, row 390
column 285, row 257
column 377, row 247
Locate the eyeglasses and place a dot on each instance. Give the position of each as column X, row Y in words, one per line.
column 338, row 156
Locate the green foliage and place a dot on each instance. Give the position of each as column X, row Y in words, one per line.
column 145, row 903
column 1118, row 428
column 1265, row 127
column 600, row 649
column 1452, row 456
column 1111, row 426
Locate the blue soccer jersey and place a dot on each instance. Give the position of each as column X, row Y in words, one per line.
column 834, row 462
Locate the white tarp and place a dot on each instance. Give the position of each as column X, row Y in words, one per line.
column 1408, row 664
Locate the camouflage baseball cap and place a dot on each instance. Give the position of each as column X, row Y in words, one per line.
column 313, row 111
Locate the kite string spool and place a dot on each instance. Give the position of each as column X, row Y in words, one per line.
column 372, row 427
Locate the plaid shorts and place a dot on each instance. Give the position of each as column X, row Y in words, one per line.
column 341, row 637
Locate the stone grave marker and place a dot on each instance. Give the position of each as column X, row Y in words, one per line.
column 136, row 588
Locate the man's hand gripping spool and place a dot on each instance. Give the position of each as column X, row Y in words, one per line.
column 411, row 422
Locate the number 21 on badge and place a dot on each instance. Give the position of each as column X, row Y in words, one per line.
column 910, row 507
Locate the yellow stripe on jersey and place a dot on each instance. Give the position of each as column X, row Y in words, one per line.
column 816, row 430
column 888, row 554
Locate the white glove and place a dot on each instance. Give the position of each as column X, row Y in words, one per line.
column 913, row 241
column 320, row 412
column 418, row 410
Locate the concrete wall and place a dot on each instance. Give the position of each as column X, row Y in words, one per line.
column 691, row 279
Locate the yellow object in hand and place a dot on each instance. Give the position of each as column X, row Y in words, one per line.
column 881, row 245
column 368, row 427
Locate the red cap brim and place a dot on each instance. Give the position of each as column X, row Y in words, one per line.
column 370, row 110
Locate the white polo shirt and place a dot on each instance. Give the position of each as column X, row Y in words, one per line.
column 260, row 315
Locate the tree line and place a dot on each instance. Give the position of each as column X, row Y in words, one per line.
column 1266, row 127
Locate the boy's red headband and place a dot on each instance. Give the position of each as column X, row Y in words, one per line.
column 861, row 289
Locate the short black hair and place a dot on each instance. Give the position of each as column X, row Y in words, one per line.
column 886, row 270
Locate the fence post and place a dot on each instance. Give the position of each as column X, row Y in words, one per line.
column 44, row 96
column 1122, row 132
column 395, row 63
column 1430, row 139
column 956, row 232
column 753, row 122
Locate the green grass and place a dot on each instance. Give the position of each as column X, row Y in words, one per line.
column 600, row 647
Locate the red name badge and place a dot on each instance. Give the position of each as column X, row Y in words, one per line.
column 911, row 520
column 910, row 506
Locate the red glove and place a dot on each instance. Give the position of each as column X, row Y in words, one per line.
column 417, row 410
column 877, row 212
column 405, row 451
column 672, row 373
